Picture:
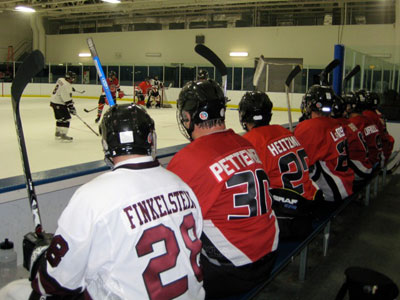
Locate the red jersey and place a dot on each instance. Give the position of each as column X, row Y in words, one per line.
column 145, row 86
column 325, row 142
column 358, row 149
column 372, row 136
column 284, row 159
column 113, row 85
column 228, row 178
column 387, row 139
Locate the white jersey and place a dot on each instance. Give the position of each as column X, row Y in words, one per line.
column 133, row 233
column 62, row 92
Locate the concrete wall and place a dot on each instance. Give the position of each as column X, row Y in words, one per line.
column 312, row 43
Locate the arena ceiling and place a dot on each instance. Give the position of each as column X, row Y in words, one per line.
column 215, row 13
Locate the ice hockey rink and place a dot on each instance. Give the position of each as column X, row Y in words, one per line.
column 47, row 153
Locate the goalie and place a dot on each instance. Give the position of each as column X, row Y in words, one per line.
column 154, row 99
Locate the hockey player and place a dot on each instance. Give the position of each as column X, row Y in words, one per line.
column 119, row 237
column 356, row 144
column 113, row 85
column 63, row 105
column 371, row 111
column 240, row 233
column 325, row 143
column 154, row 99
column 285, row 162
column 373, row 137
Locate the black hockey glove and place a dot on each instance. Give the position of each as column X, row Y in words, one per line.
column 34, row 247
column 71, row 107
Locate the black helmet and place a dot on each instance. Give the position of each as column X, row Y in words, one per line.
column 203, row 74
column 318, row 98
column 371, row 99
column 127, row 129
column 355, row 103
column 204, row 101
column 70, row 76
column 338, row 108
column 255, row 108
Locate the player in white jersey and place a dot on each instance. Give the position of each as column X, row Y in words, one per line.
column 63, row 106
column 122, row 236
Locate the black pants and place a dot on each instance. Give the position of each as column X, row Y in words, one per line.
column 224, row 281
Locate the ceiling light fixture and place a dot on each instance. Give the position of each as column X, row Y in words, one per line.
column 24, row 9
column 155, row 54
column 112, row 1
column 84, row 54
column 238, row 54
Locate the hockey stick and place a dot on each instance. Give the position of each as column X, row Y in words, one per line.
column 100, row 72
column 76, row 115
column 258, row 71
column 208, row 54
column 89, row 110
column 323, row 80
column 288, row 81
column 32, row 65
column 76, row 91
column 349, row 75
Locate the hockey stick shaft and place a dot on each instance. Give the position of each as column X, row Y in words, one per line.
column 208, row 54
column 87, row 125
column 288, row 81
column 32, row 65
column 100, row 71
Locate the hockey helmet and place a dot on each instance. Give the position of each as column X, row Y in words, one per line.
column 355, row 103
column 203, row 74
column 338, row 108
column 112, row 74
column 204, row 101
column 371, row 99
column 255, row 108
column 70, row 76
column 319, row 99
column 127, row 129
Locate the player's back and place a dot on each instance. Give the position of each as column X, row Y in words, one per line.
column 284, row 159
column 62, row 92
column 228, row 178
column 325, row 143
column 142, row 227
column 358, row 149
column 372, row 135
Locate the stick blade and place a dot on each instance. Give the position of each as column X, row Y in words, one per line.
column 352, row 73
column 208, row 54
column 32, row 65
column 292, row 75
column 333, row 64
column 259, row 70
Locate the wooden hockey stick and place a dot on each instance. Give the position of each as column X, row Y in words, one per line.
column 89, row 110
column 76, row 115
column 258, row 71
column 350, row 75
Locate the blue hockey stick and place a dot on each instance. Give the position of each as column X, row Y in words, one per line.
column 100, row 72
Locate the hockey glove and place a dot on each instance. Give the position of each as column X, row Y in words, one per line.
column 121, row 94
column 33, row 248
column 71, row 107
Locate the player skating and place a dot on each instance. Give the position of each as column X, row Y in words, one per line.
column 325, row 143
column 63, row 105
column 119, row 237
column 240, row 232
column 113, row 84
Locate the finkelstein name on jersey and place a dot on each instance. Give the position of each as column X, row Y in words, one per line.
column 157, row 207
column 337, row 134
column 233, row 163
column 283, row 145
